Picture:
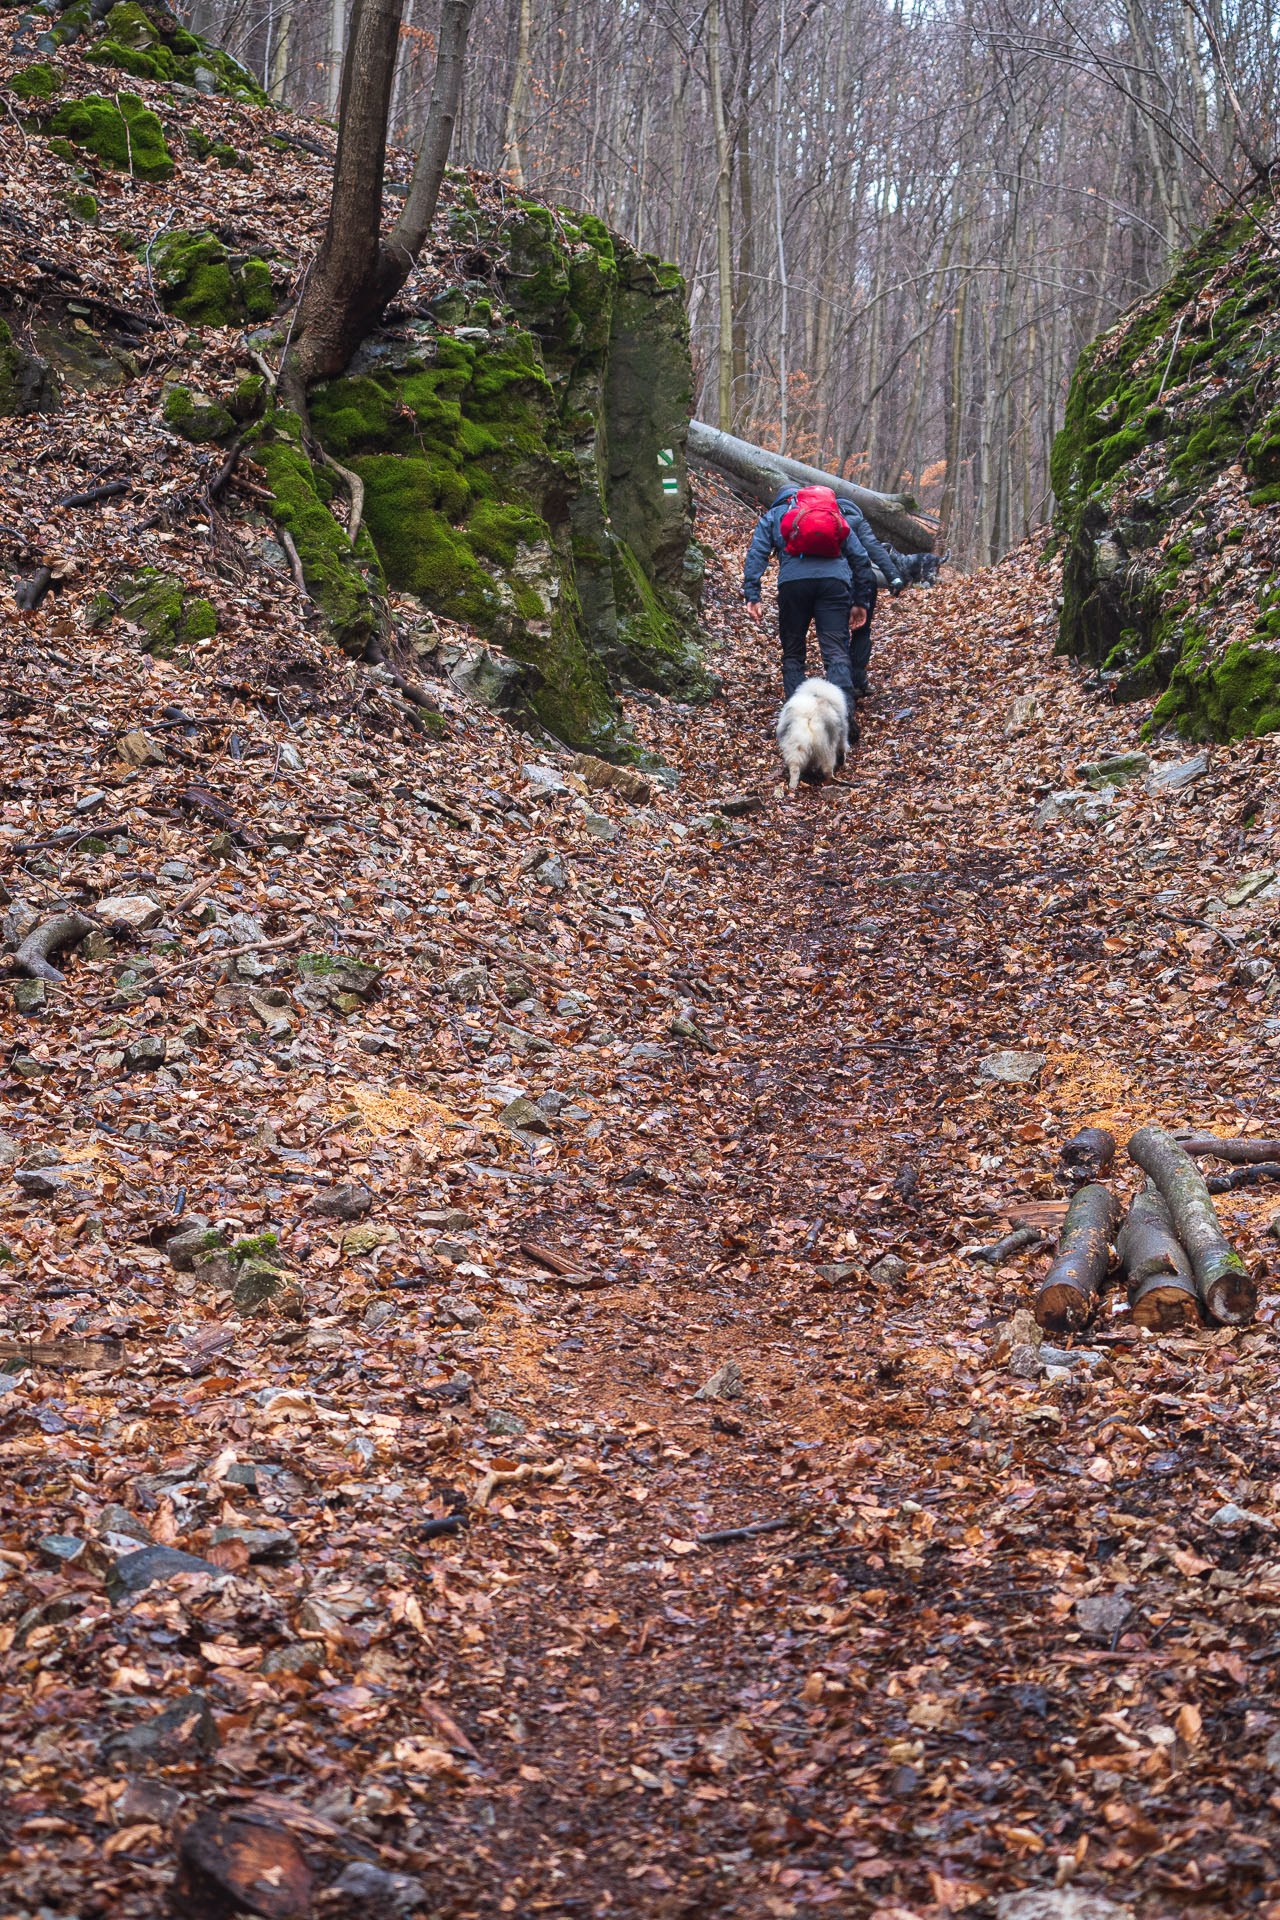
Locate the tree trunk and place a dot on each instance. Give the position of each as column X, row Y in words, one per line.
column 354, row 275
column 1225, row 1285
column 764, row 473
column 1238, row 1153
column 279, row 67
column 1162, row 1285
column 513, row 165
column 1073, row 1282
column 724, row 220
column 338, row 42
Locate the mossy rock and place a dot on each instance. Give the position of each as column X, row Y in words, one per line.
column 220, row 151
column 200, row 282
column 128, row 137
column 196, row 417
column 347, row 584
column 151, row 45
column 82, row 207
column 158, row 604
column 34, row 83
column 27, row 383
column 1226, row 698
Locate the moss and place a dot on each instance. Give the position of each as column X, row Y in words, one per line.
column 497, row 531
column 81, row 206
column 34, row 83
column 195, row 417
column 62, row 150
column 654, row 652
column 199, row 284
column 1226, row 698
column 249, row 398
column 262, row 1246
column 127, row 137
column 156, row 602
column 345, row 583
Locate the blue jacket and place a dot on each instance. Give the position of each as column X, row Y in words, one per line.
column 850, row 564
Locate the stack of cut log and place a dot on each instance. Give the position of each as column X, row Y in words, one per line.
column 1170, row 1247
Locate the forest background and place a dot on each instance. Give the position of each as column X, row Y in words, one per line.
column 900, row 220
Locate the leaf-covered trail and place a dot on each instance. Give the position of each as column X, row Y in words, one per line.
column 1019, row 1626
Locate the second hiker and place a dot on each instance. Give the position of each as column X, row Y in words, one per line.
column 824, row 577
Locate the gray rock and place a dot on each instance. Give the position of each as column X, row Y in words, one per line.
column 91, row 801
column 40, row 1183
column 523, row 1117
column 544, row 779
column 599, row 827
column 571, row 1004
column 455, row 1310
column 1232, row 1515
column 379, row 1891
column 454, row 1250
column 1059, row 1903
column 1014, row 1069
column 1170, row 775
column 256, row 1282
column 137, row 911
column 1271, row 1753
column 735, row 805
column 837, row 1271
column 245, row 929
column 645, row 1052
column 214, row 1270
column 457, row 1220
column 135, row 1572
column 346, row 1201
column 30, row 998
column 145, row 1054
column 206, row 81
column 1024, row 1361
column 270, row 1544
column 468, row 983
column 889, row 1271
column 503, row 1425
column 1102, row 1614
column 60, row 1549
column 121, row 1524
column 183, row 1249
column 724, row 1384
column 1116, row 771
column 187, row 1726
column 552, row 1101
column 176, row 872
column 552, row 874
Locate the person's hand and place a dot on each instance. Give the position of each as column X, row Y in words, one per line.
column 857, row 616
column 755, row 610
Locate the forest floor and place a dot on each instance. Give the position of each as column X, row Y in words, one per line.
column 1015, row 1627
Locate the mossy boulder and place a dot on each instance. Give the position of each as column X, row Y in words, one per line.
column 151, row 44
column 1166, row 465
column 158, row 604
column 126, row 137
column 27, row 383
column 347, row 584
column 202, row 283
column 196, row 417
column 34, row 83
column 510, row 459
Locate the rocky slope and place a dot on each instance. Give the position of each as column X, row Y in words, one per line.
column 512, row 425
column 1167, row 474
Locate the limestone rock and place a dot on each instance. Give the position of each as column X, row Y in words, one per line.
column 1011, row 1068
column 135, row 911
column 140, row 750
column 725, row 1384
column 358, row 1240
column 347, row 1201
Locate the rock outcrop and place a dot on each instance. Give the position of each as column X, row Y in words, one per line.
column 1167, row 475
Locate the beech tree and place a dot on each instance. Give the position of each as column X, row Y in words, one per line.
column 356, row 271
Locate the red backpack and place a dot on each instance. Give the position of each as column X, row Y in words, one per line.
column 814, row 525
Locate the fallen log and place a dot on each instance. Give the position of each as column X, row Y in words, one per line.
column 1161, row 1282
column 1226, row 1288
column 1001, row 1250
column 1088, row 1155
column 1265, row 1171
column 763, row 473
column 1237, row 1153
column 63, row 930
column 1073, row 1282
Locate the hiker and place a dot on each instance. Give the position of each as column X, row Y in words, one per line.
column 824, row 576
column 890, row 565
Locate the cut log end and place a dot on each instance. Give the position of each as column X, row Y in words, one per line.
column 1165, row 1304
column 1061, row 1307
column 1230, row 1292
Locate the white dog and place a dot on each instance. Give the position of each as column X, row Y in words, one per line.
column 813, row 732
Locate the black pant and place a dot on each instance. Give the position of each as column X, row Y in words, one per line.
column 826, row 601
column 860, row 648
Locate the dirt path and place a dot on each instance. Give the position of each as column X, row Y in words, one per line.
column 1015, row 1627
column 1002, row 1640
